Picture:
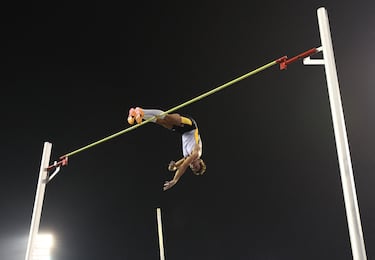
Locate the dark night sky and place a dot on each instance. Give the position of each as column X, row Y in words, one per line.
column 272, row 190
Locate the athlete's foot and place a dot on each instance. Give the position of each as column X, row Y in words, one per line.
column 131, row 116
column 139, row 115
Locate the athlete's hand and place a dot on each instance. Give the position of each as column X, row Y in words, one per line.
column 172, row 166
column 169, row 184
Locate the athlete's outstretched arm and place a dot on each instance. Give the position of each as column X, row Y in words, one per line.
column 181, row 170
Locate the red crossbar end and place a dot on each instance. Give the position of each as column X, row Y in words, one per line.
column 282, row 62
column 64, row 161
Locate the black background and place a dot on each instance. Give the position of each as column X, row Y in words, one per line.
column 71, row 70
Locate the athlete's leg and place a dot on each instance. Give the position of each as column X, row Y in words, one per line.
column 157, row 116
column 139, row 114
column 170, row 120
column 166, row 120
column 149, row 113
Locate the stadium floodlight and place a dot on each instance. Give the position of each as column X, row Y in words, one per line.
column 43, row 245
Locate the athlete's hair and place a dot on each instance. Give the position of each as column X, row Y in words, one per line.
column 202, row 168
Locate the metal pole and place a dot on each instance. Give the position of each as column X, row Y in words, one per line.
column 346, row 170
column 160, row 233
column 39, row 197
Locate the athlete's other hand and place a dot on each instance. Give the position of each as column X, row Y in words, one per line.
column 169, row 184
column 172, row 166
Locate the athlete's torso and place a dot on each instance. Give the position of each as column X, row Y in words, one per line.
column 190, row 137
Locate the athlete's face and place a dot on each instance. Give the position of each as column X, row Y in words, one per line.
column 195, row 166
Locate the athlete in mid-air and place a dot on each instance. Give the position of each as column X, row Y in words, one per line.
column 191, row 141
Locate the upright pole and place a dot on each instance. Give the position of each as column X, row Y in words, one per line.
column 347, row 179
column 160, row 234
column 39, row 197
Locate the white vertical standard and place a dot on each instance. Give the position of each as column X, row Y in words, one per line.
column 160, row 233
column 346, row 170
column 39, row 197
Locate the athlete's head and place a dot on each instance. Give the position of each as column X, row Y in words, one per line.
column 198, row 167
